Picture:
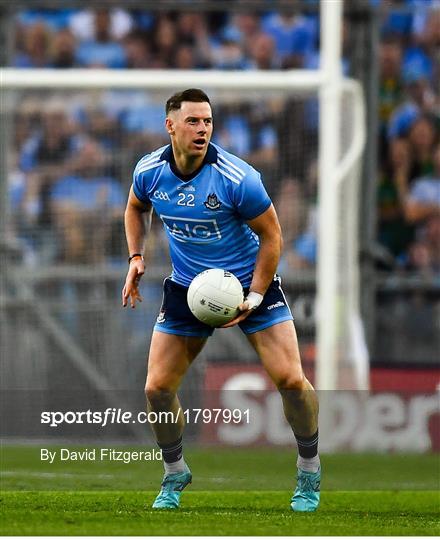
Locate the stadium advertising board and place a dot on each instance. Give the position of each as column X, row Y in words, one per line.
column 402, row 417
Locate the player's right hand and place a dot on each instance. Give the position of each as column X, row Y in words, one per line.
column 131, row 287
column 250, row 304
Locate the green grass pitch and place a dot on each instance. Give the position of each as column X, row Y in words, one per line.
column 234, row 492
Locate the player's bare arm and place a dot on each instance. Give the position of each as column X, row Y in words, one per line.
column 137, row 221
column 268, row 229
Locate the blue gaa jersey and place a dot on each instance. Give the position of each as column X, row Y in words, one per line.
column 204, row 216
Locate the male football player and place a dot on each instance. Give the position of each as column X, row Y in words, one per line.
column 216, row 214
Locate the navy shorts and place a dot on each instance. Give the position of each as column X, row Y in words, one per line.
column 175, row 317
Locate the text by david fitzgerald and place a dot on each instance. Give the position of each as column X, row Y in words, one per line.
column 99, row 454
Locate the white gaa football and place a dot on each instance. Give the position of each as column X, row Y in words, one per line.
column 214, row 295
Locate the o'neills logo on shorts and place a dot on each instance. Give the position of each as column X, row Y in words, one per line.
column 161, row 317
column 273, row 306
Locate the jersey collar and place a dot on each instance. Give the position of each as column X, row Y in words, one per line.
column 210, row 157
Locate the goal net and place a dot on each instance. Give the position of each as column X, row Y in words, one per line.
column 72, row 141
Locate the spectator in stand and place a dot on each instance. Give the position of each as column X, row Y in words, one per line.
column 395, row 21
column 36, row 47
column 50, row 143
column 18, row 227
column 297, row 133
column 422, row 138
column 390, row 88
column 228, row 53
column 85, row 205
column 291, row 208
column 249, row 130
column 422, row 208
column 164, row 42
column 26, row 118
column 417, row 159
column 394, row 232
column 103, row 128
column 101, row 51
column 138, row 50
column 185, row 58
column 420, row 99
column 249, row 26
column 264, row 151
column 191, row 27
column 44, row 156
column 432, row 240
column 424, row 254
column 262, row 53
column 142, row 121
column 63, row 49
column 193, row 35
column 84, row 27
column 295, row 36
column 43, row 151
column 301, row 236
column 410, row 158
column 142, row 20
column 55, row 19
column 423, row 12
column 233, row 130
column 425, row 40
column 423, row 199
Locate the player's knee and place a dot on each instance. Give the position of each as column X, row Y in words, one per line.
column 294, row 381
column 159, row 397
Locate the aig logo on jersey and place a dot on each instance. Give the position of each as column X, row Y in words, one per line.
column 212, row 203
column 162, row 195
column 196, row 231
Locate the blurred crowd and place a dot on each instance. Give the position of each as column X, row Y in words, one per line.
column 409, row 143
column 72, row 157
column 118, row 38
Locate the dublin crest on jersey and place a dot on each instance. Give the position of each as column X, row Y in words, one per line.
column 212, row 203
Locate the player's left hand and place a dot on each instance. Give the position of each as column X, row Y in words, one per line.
column 250, row 304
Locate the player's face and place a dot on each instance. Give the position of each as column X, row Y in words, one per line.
column 191, row 128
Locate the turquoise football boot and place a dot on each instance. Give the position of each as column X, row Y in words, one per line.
column 306, row 495
column 172, row 487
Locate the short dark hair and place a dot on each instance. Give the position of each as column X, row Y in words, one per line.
column 191, row 94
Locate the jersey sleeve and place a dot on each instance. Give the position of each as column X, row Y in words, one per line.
column 140, row 185
column 250, row 197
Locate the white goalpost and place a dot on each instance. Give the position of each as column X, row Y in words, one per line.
column 336, row 174
column 342, row 357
